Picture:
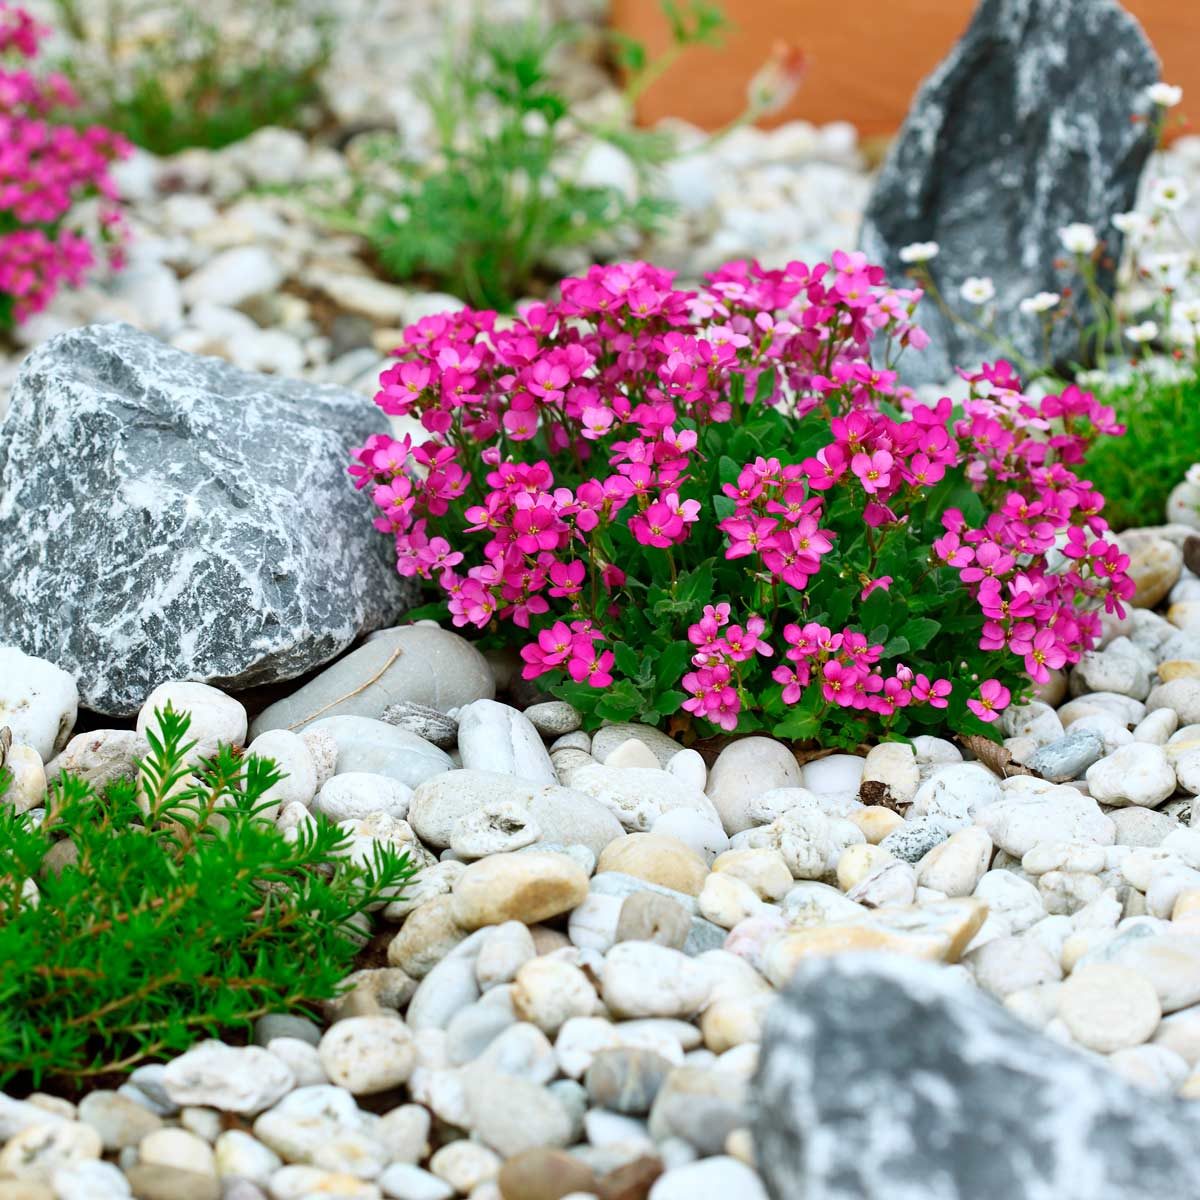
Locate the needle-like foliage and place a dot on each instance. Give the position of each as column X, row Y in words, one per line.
column 136, row 921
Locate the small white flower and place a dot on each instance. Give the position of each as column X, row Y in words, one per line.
column 978, row 289
column 1147, row 331
column 1043, row 302
column 1189, row 310
column 1092, row 380
column 1079, row 238
column 919, row 252
column 1169, row 193
column 1132, row 224
column 1165, row 94
column 1183, row 332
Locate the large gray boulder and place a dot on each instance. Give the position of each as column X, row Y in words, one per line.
column 883, row 1078
column 164, row 516
column 1023, row 129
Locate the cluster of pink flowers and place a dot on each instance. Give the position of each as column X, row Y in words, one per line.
column 562, row 445
column 845, row 665
column 45, row 169
column 1045, row 547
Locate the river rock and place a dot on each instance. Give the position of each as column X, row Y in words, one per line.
column 563, row 815
column 1022, row 129
column 376, row 748
column 216, row 538
column 745, row 769
column 495, row 737
column 418, row 663
column 38, row 700
column 1006, row 1111
column 528, row 887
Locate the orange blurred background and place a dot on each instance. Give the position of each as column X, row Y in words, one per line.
column 864, row 61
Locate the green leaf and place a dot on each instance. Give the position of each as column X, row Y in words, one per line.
column 627, row 660
column 799, row 725
column 919, row 632
column 697, row 584
column 724, row 507
column 765, row 388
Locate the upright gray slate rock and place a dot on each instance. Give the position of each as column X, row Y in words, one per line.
column 1024, row 128
column 883, row 1078
column 164, row 516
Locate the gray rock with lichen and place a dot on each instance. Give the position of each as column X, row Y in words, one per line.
column 1024, row 127
column 883, row 1078
column 165, row 516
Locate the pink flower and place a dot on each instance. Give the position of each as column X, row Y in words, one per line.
column 873, row 470
column 993, row 697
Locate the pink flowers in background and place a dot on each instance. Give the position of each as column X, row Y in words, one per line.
column 45, row 170
column 667, row 491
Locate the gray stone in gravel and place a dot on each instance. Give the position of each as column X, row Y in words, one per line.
column 1022, row 129
column 424, row 721
column 911, row 841
column 511, row 1115
column 420, row 663
column 381, row 749
column 554, row 718
column 1001, row 1110
column 276, row 1025
column 649, row 917
column 626, row 1079
column 702, row 1105
column 471, row 1030
column 172, row 517
column 1068, row 757
column 564, row 815
column 703, row 935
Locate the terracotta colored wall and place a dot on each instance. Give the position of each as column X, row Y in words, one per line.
column 865, row 57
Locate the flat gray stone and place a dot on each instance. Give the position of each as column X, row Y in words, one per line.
column 1022, row 129
column 376, row 748
column 165, row 516
column 882, row 1077
column 413, row 663
column 1068, row 757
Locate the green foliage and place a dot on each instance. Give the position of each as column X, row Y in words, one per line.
column 1137, row 472
column 926, row 620
column 199, row 79
column 500, row 203
column 168, row 911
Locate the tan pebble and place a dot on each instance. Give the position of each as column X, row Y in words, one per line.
column 655, row 858
column 1178, row 668
column 740, row 1145
column 876, row 822
column 763, row 870
column 1186, row 903
column 857, row 862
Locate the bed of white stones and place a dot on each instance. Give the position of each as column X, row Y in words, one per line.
column 579, row 975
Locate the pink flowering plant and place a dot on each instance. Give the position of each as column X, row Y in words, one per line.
column 46, row 169
column 719, row 506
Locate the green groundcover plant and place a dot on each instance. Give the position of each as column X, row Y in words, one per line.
column 720, row 506
column 173, row 75
column 137, row 920
column 493, row 210
column 1161, row 443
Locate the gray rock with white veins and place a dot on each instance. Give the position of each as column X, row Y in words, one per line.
column 1022, row 129
column 883, row 1078
column 172, row 517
